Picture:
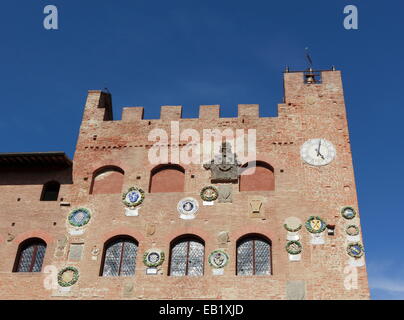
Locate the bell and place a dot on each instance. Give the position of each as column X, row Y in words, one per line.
column 310, row 76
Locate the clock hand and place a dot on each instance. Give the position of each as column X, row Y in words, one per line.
column 319, row 146
column 318, row 150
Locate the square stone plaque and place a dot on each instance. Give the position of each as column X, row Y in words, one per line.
column 317, row 238
column 296, row 290
column 295, row 257
column 151, row 271
column 218, row 272
column 208, row 203
column 131, row 212
column 75, row 251
column 76, row 231
column 225, row 193
column 292, row 236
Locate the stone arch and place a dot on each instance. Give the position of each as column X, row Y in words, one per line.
column 257, row 177
column 167, row 178
column 107, row 180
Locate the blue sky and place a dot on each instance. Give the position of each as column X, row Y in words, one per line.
column 152, row 53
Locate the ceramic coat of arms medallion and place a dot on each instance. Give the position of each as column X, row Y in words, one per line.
column 218, row 259
column 153, row 258
column 133, row 197
column 292, row 224
column 68, row 276
column 79, row 217
column 294, row 247
column 315, row 225
column 355, row 250
column 352, row 230
column 187, row 208
column 209, row 193
column 348, row 213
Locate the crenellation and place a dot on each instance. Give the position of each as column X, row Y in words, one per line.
column 248, row 111
column 209, row 112
column 130, row 114
column 170, row 112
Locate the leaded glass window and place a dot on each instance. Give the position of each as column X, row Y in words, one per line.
column 253, row 256
column 187, row 257
column 120, row 258
column 30, row 256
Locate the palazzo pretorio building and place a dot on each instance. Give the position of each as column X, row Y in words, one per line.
column 113, row 224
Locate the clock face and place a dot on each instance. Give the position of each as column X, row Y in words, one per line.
column 317, row 152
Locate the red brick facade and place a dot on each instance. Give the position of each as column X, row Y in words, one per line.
column 297, row 189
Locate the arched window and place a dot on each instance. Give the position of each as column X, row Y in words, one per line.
column 30, row 256
column 253, row 256
column 167, row 178
column 50, row 191
column 259, row 177
column 119, row 258
column 187, row 256
column 107, row 180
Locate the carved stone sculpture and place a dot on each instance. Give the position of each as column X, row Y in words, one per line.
column 224, row 166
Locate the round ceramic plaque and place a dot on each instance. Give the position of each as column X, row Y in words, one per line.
column 187, row 208
column 68, row 276
column 352, row 230
column 293, row 247
column 292, row 224
column 209, row 193
column 218, row 259
column 315, row 225
column 153, row 258
column 355, row 250
column 79, row 217
column 348, row 212
column 133, row 197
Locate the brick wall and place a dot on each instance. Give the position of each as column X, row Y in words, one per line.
column 309, row 111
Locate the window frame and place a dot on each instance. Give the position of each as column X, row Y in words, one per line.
column 186, row 238
column 254, row 237
column 45, row 190
column 110, row 242
column 31, row 242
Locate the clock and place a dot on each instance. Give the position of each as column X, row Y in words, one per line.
column 317, row 152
